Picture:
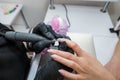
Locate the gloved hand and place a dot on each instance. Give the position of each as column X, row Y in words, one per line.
column 4, row 29
column 45, row 31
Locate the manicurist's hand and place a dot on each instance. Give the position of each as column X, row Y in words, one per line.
column 85, row 65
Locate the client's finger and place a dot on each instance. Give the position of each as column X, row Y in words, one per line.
column 72, row 45
column 66, row 62
column 69, row 75
column 64, row 54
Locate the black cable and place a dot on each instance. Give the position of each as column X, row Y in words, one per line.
column 67, row 14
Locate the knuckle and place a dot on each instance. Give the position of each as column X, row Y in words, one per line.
column 82, row 61
column 68, row 55
column 84, row 78
column 77, row 78
column 85, row 64
column 59, row 52
column 77, row 59
column 81, row 77
column 72, row 65
column 74, row 44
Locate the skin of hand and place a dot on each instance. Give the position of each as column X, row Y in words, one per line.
column 85, row 65
column 114, row 64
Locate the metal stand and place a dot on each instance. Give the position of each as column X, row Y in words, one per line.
column 52, row 4
column 113, row 31
column 104, row 9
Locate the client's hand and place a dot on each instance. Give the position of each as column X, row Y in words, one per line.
column 85, row 65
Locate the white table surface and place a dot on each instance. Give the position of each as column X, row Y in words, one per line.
column 88, row 19
column 8, row 19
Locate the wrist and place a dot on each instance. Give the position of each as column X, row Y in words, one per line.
column 109, row 76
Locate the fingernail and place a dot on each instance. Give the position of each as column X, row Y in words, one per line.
column 60, row 70
column 50, row 50
column 53, row 56
column 60, row 39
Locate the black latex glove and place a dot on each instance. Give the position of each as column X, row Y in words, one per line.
column 4, row 29
column 45, row 31
column 40, row 45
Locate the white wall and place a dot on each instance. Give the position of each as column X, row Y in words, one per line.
column 35, row 11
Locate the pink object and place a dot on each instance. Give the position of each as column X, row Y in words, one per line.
column 55, row 24
column 44, row 51
column 59, row 25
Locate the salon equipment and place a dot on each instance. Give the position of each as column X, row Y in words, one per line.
column 41, row 42
column 117, row 27
column 104, row 9
column 19, row 36
column 59, row 25
column 52, row 4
